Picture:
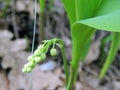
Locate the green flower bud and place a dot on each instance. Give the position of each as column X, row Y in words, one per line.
column 43, row 56
column 26, row 65
column 53, row 52
column 30, row 57
column 33, row 66
column 31, row 63
column 37, row 59
column 37, row 52
column 29, row 69
column 24, row 70
column 41, row 47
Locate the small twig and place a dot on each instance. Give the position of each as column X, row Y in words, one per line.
column 42, row 19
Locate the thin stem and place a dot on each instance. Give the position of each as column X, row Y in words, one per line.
column 64, row 60
column 33, row 41
column 65, row 64
column 72, row 78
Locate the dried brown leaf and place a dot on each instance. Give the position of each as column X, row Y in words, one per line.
column 45, row 80
column 93, row 52
column 3, row 81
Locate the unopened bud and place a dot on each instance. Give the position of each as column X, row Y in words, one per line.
column 37, row 59
column 29, row 69
column 43, row 56
column 31, row 63
column 37, row 52
column 53, row 52
column 30, row 57
column 24, row 70
column 40, row 47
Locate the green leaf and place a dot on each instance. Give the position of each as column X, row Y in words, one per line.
column 108, row 6
column 113, row 50
column 106, row 40
column 86, row 8
column 70, row 8
column 81, row 33
column 85, row 51
column 107, row 16
column 86, row 16
column 80, row 36
column 109, row 22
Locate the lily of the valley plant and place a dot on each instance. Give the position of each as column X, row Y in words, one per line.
column 86, row 17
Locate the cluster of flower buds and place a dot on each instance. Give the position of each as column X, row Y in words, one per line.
column 39, row 55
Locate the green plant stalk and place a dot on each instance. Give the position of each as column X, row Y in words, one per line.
column 65, row 65
column 42, row 5
column 113, row 50
column 106, row 40
column 72, row 78
column 103, row 43
column 64, row 60
column 76, row 58
column 42, row 19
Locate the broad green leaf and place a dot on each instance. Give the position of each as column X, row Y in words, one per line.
column 86, row 49
column 80, row 36
column 86, row 8
column 108, row 6
column 113, row 50
column 109, row 22
column 86, row 16
column 70, row 8
column 107, row 18
column 81, row 33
